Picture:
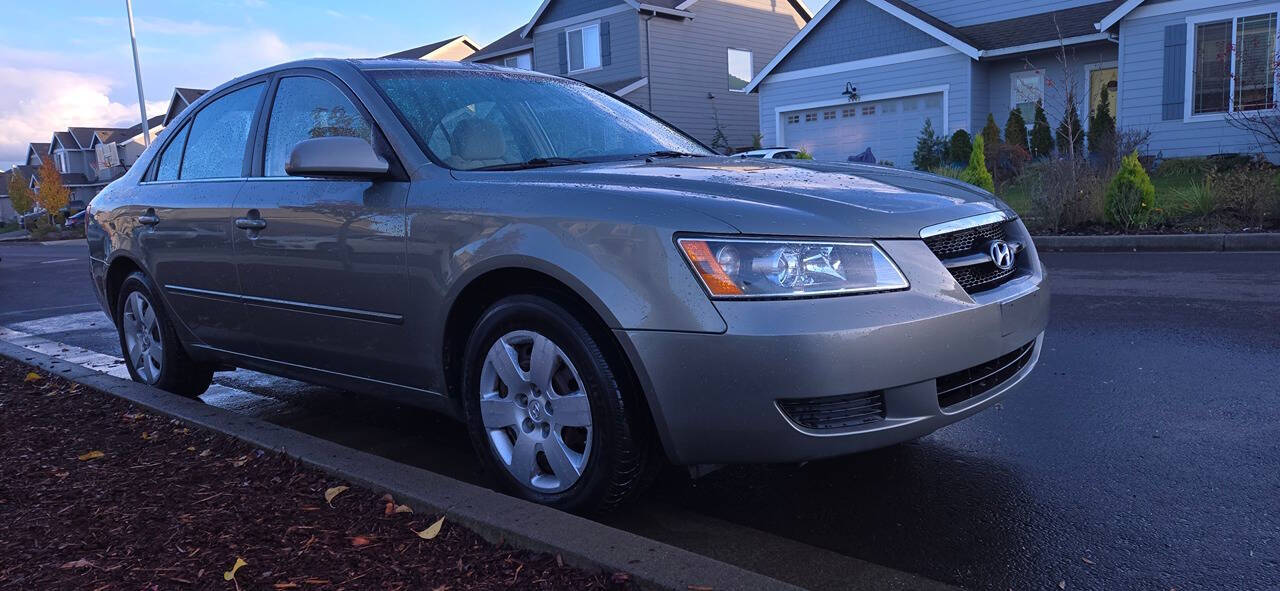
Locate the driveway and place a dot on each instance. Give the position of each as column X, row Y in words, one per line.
column 1142, row 453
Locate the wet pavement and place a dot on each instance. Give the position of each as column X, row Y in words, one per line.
column 1143, row 452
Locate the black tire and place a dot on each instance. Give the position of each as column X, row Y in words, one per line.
column 178, row 373
column 622, row 456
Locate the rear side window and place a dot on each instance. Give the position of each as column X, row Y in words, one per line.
column 218, row 136
column 306, row 108
column 172, row 157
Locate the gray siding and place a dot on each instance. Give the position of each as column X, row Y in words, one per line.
column 855, row 30
column 955, row 71
column 561, row 9
column 1057, row 80
column 961, row 13
column 624, row 33
column 690, row 61
column 1142, row 94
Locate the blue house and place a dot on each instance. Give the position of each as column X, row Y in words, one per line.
column 867, row 73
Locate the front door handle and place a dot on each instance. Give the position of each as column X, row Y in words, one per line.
column 251, row 223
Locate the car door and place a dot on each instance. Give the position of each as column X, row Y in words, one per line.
column 323, row 269
column 186, row 207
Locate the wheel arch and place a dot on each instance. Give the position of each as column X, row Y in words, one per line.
column 121, row 265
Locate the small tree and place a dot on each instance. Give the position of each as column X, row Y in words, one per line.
column 976, row 173
column 990, row 138
column 1131, row 194
column 1041, row 136
column 19, row 193
column 1015, row 130
column 1102, row 127
column 929, row 148
column 960, row 148
column 51, row 195
column 1070, row 134
column 757, row 140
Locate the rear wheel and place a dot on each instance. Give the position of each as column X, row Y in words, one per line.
column 545, row 410
column 151, row 348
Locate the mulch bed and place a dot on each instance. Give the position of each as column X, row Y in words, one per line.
column 97, row 494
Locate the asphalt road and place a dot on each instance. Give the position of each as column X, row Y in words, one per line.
column 1143, row 453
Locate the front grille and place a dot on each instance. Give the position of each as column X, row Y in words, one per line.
column 977, row 276
column 835, row 412
column 977, row 380
column 965, row 241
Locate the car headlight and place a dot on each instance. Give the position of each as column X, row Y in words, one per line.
column 790, row 268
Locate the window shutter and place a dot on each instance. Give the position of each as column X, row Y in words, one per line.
column 564, row 52
column 606, row 48
column 1175, row 71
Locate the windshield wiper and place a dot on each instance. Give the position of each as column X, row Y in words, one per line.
column 533, row 163
column 670, row 154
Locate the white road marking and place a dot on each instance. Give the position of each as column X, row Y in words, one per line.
column 58, row 261
column 81, row 321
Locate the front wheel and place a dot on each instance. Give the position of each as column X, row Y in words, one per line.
column 151, row 348
column 545, row 410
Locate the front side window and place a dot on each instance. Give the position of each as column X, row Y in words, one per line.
column 306, row 108
column 524, row 61
column 584, row 47
column 1234, row 65
column 486, row 120
column 218, row 136
column 1027, row 89
column 740, row 69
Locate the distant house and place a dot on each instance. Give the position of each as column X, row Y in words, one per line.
column 181, row 99
column 7, row 214
column 867, row 73
column 686, row 61
column 455, row 49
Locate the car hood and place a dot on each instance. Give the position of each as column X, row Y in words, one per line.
column 799, row 198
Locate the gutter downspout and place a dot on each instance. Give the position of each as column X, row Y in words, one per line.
column 648, row 60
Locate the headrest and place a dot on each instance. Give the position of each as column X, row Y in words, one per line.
column 477, row 139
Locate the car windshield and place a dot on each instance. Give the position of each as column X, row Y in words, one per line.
column 483, row 120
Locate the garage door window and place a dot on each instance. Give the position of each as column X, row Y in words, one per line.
column 871, row 110
column 848, row 112
column 828, row 115
column 793, row 118
column 810, row 117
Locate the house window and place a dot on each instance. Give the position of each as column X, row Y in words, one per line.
column 62, row 162
column 740, row 69
column 870, row 110
column 848, row 112
column 524, row 61
column 810, row 117
column 1025, row 90
column 793, row 118
column 1234, row 67
column 829, row 115
column 584, row 47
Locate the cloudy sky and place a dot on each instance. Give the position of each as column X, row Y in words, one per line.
column 67, row 62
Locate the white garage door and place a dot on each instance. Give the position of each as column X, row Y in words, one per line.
column 889, row 127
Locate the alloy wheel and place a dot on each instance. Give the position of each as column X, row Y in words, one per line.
column 142, row 339
column 535, row 411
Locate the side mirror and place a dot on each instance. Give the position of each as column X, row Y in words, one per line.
column 337, row 156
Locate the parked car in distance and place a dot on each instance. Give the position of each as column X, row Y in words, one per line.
column 771, row 154
column 75, row 221
column 590, row 290
column 73, row 207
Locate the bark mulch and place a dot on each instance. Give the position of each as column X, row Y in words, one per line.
column 97, row 494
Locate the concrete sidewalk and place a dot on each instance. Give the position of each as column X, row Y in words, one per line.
column 1261, row 241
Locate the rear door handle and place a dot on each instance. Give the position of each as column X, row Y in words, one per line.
column 251, row 223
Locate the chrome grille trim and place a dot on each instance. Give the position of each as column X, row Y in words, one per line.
column 994, row 217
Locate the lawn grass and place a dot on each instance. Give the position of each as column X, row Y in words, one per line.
column 9, row 227
column 1169, row 187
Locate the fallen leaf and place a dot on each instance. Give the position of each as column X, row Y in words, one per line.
column 231, row 574
column 240, row 461
column 32, row 377
column 1062, row 584
column 93, row 455
column 403, row 509
column 432, row 530
column 82, row 563
column 360, row 541
column 1087, row 561
column 331, row 494
column 148, row 436
column 285, row 585
column 701, row 588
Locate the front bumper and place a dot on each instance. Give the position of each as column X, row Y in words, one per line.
column 714, row 397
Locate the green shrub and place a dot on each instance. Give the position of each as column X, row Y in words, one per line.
column 1070, row 135
column 804, row 154
column 1015, row 130
column 1248, row 193
column 959, row 149
column 1196, row 200
column 976, row 173
column 1041, row 136
column 1131, row 195
column 990, row 139
column 929, row 148
column 1102, row 127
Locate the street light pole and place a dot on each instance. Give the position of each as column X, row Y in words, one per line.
column 137, row 72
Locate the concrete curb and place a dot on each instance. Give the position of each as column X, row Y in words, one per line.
column 495, row 516
column 1161, row 243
